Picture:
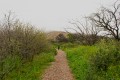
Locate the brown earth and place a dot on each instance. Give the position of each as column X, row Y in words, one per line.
column 59, row 70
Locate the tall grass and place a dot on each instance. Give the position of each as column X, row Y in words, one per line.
column 32, row 70
column 78, row 60
column 98, row 62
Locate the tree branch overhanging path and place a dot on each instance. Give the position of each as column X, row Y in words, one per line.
column 59, row 70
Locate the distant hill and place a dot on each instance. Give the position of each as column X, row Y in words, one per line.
column 53, row 34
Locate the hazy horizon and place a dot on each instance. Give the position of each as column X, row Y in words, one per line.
column 51, row 15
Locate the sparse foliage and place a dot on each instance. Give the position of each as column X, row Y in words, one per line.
column 19, row 43
column 108, row 20
column 85, row 33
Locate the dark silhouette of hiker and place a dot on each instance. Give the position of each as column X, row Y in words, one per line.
column 58, row 47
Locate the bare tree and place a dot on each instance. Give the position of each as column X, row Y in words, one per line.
column 108, row 19
column 86, row 32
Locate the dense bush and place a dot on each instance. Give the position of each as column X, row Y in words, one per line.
column 61, row 38
column 98, row 62
column 83, row 39
column 19, row 43
column 107, row 56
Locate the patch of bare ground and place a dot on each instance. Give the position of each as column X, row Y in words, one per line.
column 59, row 70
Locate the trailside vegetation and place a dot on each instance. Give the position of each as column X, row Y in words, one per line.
column 19, row 43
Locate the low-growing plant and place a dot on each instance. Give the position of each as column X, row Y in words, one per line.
column 108, row 55
column 32, row 70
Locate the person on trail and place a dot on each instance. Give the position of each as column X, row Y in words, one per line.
column 58, row 47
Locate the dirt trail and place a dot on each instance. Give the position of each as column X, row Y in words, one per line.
column 59, row 70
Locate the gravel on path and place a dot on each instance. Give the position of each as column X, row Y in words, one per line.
column 59, row 70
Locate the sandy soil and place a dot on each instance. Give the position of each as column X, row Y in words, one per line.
column 59, row 70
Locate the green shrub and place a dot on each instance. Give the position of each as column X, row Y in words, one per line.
column 19, row 43
column 98, row 62
column 8, row 64
column 32, row 70
column 108, row 55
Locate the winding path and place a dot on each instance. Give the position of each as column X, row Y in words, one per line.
column 59, row 70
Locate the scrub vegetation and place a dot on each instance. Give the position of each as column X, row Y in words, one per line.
column 93, row 50
column 24, row 50
column 97, row 62
column 96, row 57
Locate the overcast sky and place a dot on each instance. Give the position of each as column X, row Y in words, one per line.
column 51, row 14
